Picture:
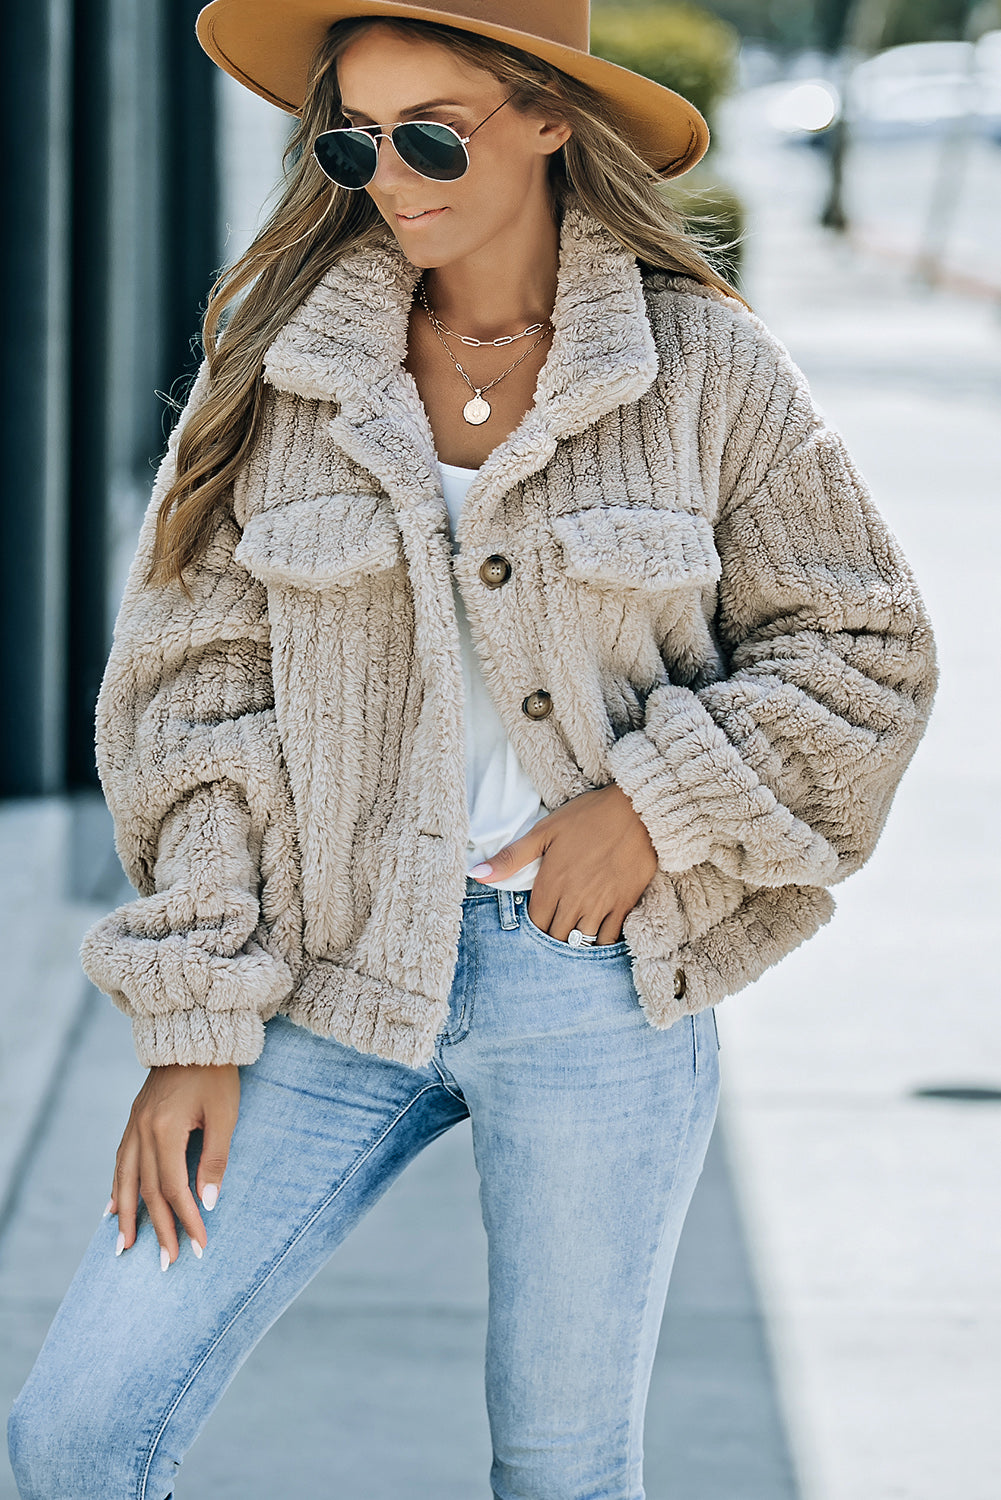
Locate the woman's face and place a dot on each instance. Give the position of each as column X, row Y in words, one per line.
column 385, row 77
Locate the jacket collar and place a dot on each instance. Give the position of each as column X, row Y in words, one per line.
column 347, row 341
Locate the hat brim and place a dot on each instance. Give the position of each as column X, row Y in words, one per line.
column 269, row 48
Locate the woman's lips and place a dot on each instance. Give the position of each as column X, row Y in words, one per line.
column 424, row 218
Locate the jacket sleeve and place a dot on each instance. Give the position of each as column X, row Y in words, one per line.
column 783, row 771
column 190, row 764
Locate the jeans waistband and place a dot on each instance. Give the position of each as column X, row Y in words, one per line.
column 507, row 901
column 478, row 888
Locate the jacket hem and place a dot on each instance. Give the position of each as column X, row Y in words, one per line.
column 731, row 955
column 366, row 1013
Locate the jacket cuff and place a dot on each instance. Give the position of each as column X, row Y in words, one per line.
column 660, row 789
column 188, row 1004
column 201, row 1037
column 701, row 801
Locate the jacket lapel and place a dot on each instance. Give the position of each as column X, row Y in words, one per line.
column 348, row 340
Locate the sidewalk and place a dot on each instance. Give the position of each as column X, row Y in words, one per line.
column 872, row 1212
column 57, row 867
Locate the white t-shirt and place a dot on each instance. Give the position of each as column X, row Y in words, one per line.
column 503, row 803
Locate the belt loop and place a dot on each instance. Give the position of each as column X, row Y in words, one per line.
column 505, row 907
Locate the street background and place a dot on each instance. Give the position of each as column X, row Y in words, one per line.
column 834, row 1321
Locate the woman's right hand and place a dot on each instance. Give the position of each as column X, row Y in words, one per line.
column 152, row 1157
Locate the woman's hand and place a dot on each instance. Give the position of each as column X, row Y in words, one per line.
column 152, row 1160
column 597, row 862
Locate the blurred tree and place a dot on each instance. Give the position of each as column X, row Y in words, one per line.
column 926, row 21
column 682, row 47
column 830, row 21
column 787, row 24
column 790, row 25
column 783, row 23
column 855, row 29
column 985, row 16
column 686, row 49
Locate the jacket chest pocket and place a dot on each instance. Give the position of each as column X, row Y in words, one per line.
column 640, row 584
column 340, row 617
column 326, row 542
column 638, row 550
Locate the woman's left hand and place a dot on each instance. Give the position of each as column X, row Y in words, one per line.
column 597, row 860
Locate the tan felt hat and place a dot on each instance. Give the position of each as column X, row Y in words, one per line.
column 267, row 45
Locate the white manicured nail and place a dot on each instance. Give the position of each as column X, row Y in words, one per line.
column 120, row 1245
column 209, row 1195
column 196, row 1247
column 108, row 1209
column 164, row 1257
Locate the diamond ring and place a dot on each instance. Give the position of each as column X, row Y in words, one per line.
column 578, row 939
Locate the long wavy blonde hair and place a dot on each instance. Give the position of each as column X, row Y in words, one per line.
column 315, row 224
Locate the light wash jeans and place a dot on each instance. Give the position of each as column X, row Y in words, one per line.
column 589, row 1128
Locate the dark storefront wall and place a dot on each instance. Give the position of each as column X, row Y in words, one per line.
column 109, row 246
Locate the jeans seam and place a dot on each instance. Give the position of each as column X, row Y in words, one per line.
column 445, row 1084
column 355, row 1166
column 653, row 1259
column 469, row 993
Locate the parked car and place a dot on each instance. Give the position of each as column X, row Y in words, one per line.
column 918, row 88
column 925, row 85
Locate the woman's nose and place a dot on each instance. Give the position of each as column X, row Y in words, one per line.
column 390, row 168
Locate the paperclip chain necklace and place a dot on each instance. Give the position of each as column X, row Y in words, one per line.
column 505, row 338
column 476, row 410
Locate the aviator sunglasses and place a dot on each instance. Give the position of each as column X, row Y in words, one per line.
column 350, row 157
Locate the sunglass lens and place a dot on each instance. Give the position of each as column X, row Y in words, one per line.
column 349, row 157
column 432, row 150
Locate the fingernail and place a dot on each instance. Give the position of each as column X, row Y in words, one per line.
column 108, row 1209
column 209, row 1195
column 164, row 1257
column 480, row 870
column 196, row 1247
column 120, row 1244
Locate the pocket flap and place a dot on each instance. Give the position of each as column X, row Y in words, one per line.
column 328, row 541
column 640, row 548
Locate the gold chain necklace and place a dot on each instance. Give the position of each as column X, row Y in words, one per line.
column 476, row 410
column 506, row 338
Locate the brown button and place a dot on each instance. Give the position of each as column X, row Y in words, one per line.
column 679, row 983
column 538, row 704
column 495, row 571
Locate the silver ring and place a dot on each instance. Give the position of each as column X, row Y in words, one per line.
column 578, row 939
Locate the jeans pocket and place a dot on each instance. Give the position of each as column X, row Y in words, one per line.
column 586, row 950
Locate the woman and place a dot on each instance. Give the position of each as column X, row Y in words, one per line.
column 511, row 660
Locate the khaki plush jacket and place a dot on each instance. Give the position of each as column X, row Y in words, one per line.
column 699, row 580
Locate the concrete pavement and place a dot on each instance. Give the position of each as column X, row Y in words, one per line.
column 872, row 1211
column 57, row 867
